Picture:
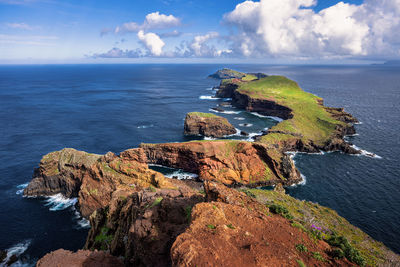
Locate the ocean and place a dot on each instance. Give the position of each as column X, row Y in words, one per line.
column 101, row 108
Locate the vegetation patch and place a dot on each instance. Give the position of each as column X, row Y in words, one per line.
column 103, row 239
column 301, row 248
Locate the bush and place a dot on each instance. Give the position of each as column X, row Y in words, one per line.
column 336, row 253
column 351, row 253
column 278, row 209
column 301, row 248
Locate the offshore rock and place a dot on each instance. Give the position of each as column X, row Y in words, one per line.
column 207, row 124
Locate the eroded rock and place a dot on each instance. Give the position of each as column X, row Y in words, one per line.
column 207, row 124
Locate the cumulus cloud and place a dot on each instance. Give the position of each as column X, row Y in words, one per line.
column 200, row 47
column 153, row 20
column 292, row 28
column 152, row 42
column 119, row 53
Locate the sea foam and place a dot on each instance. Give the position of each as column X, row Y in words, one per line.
column 21, row 188
column 264, row 116
column 208, row 97
column 225, row 111
column 59, row 202
column 18, row 250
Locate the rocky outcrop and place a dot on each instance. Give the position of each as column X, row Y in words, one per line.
column 234, row 224
column 229, row 162
column 81, row 258
column 207, row 124
column 143, row 226
column 227, row 74
column 93, row 178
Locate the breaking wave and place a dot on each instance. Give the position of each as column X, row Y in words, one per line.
column 21, row 188
column 17, row 250
column 208, row 97
column 59, row 202
column 366, row 153
column 264, row 116
column 225, row 111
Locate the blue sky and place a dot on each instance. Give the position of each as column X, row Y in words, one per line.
column 40, row 31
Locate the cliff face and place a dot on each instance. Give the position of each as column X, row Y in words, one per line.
column 93, row 178
column 230, row 162
column 142, row 226
column 207, row 124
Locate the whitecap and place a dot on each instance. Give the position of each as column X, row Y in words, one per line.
column 181, row 175
column 239, row 118
column 145, row 126
column 81, row 222
column 210, row 89
column 59, row 202
column 365, row 153
column 227, row 99
column 225, row 111
column 302, row 182
column 21, row 188
column 246, row 124
column 265, row 116
column 358, row 122
column 209, row 138
column 18, row 250
column 208, row 97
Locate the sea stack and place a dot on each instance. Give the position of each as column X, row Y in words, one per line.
column 207, row 124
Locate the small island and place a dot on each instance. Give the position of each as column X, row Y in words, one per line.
column 207, row 124
column 147, row 219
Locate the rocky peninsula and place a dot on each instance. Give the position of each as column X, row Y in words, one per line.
column 143, row 218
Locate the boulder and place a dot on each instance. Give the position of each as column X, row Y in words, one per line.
column 207, row 124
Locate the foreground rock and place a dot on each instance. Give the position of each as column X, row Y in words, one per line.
column 233, row 224
column 81, row 258
column 93, row 178
column 142, row 227
column 207, row 124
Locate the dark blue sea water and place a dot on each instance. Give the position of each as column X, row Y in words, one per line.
column 100, row 108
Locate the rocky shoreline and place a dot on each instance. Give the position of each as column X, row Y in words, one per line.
column 142, row 218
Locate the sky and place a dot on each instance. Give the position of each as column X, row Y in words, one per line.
column 277, row 31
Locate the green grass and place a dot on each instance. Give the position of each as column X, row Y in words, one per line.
column 301, row 263
column 156, row 202
column 310, row 122
column 230, row 226
column 318, row 256
column 103, row 239
column 203, row 115
column 211, row 226
column 188, row 213
column 355, row 244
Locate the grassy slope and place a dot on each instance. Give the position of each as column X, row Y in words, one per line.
column 307, row 213
column 310, row 119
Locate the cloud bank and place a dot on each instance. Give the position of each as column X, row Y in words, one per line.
column 291, row 28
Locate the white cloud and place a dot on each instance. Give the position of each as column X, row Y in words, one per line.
column 153, row 20
column 152, row 42
column 199, row 47
column 21, row 26
column 292, row 28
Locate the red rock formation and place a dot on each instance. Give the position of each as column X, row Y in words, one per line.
column 230, row 162
column 81, row 258
column 234, row 230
